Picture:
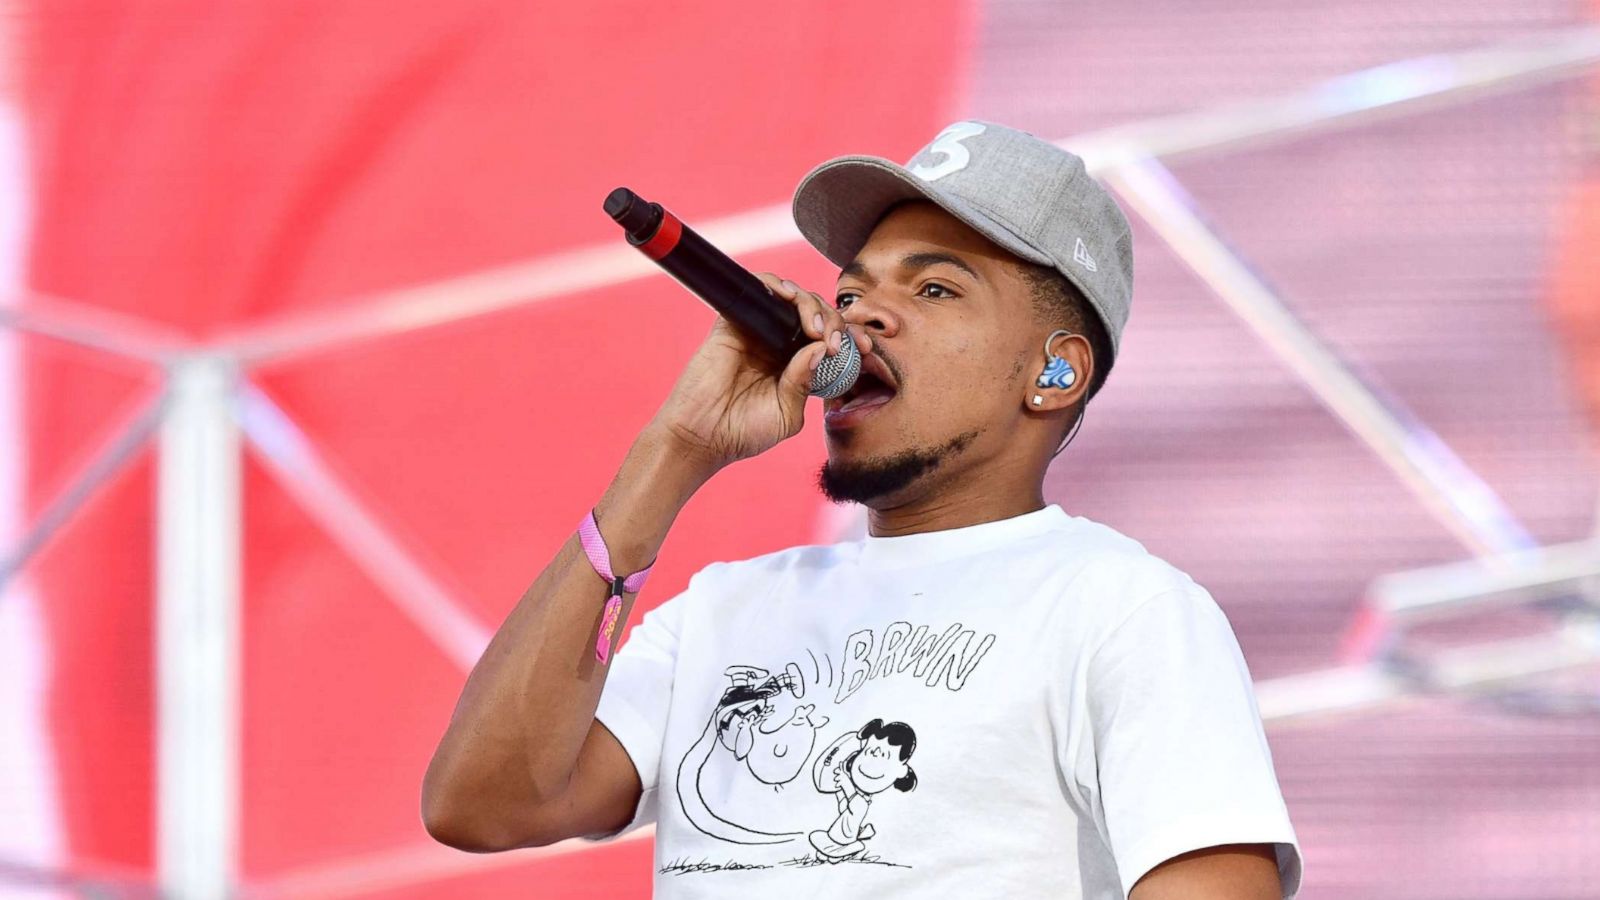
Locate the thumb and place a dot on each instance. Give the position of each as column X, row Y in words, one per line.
column 794, row 385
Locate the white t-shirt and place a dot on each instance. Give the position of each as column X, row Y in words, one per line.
column 1032, row 707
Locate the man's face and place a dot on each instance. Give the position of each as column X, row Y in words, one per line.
column 951, row 319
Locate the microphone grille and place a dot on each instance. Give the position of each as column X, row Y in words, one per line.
column 837, row 373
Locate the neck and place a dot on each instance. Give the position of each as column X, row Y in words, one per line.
column 971, row 501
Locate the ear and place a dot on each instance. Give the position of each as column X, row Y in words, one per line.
column 1074, row 351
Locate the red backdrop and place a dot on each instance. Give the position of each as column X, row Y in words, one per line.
column 209, row 166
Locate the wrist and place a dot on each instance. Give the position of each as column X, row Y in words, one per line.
column 684, row 458
column 618, row 584
column 655, row 482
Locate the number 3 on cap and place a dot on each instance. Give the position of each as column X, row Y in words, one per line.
column 948, row 144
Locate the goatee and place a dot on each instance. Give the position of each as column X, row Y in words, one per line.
column 869, row 479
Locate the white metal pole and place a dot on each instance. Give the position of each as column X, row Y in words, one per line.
column 1447, row 487
column 197, row 632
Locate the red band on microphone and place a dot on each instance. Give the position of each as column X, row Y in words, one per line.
column 666, row 237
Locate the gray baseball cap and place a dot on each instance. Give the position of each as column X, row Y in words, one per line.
column 1025, row 194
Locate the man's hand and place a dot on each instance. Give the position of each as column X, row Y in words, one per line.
column 733, row 400
column 1229, row 872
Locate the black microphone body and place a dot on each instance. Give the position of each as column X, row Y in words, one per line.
column 727, row 287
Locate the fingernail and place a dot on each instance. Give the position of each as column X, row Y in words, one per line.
column 816, row 322
column 790, row 286
column 834, row 342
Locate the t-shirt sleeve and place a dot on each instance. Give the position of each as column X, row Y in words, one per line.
column 634, row 702
column 1181, row 758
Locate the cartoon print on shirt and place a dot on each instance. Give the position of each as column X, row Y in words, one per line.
column 772, row 754
column 759, row 737
column 775, row 754
column 876, row 761
column 949, row 657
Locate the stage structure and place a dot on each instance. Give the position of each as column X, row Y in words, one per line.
column 209, row 411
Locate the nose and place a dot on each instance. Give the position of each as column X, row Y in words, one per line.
column 872, row 313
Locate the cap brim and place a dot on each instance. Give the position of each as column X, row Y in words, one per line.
column 839, row 202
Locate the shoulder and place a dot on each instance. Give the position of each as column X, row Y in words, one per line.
column 1119, row 566
column 1117, row 572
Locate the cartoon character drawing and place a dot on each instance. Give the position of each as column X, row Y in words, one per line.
column 746, row 723
column 855, row 767
column 733, row 782
column 778, row 753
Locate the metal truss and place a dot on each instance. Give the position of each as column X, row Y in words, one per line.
column 209, row 412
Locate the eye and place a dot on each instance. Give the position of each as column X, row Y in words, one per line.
column 944, row 292
column 844, row 299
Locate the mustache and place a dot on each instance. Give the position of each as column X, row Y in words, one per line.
column 890, row 364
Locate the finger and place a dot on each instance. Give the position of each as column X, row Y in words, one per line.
column 833, row 322
column 783, row 287
column 813, row 320
column 794, row 385
column 862, row 337
column 813, row 312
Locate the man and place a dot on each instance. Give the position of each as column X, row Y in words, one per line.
column 1079, row 716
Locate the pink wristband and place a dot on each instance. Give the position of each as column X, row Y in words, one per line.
column 594, row 547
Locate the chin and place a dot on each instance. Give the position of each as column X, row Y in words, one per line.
column 854, row 475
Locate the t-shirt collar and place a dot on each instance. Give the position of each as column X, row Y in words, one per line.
column 927, row 547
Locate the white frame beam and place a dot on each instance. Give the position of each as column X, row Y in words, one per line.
column 198, row 520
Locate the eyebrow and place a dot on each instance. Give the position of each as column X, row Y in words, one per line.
column 914, row 261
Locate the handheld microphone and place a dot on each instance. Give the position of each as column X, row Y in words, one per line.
column 728, row 288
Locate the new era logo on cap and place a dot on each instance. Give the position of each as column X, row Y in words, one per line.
column 1025, row 194
column 1080, row 255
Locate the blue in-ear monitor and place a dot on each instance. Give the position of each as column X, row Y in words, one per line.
column 1058, row 373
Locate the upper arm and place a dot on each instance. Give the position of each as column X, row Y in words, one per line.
column 603, row 794
column 1180, row 761
column 1229, row 872
column 600, row 795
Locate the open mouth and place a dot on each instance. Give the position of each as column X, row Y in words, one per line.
column 875, row 387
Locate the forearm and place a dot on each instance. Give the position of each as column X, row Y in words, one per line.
column 520, row 724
